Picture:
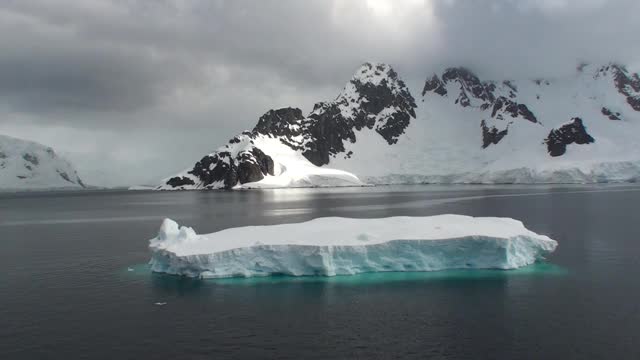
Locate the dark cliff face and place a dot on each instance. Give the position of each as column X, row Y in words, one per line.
column 365, row 103
column 470, row 85
column 628, row 84
column 434, row 85
column 253, row 165
column 491, row 135
column 280, row 122
column 222, row 169
column 499, row 101
column 502, row 105
column 326, row 130
column 610, row 114
column 481, row 94
column 571, row 133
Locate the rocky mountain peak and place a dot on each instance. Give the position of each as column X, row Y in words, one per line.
column 375, row 98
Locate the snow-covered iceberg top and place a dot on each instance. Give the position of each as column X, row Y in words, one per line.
column 344, row 246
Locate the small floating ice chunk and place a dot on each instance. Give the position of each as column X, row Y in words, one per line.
column 343, row 246
column 129, row 269
column 160, row 303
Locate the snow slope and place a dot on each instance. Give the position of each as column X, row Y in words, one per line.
column 26, row 165
column 342, row 246
column 445, row 143
column 581, row 128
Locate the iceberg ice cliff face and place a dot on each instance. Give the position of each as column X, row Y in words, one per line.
column 344, row 246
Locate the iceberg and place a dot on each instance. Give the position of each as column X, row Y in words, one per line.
column 344, row 246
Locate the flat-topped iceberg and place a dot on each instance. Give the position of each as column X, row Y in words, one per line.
column 343, row 246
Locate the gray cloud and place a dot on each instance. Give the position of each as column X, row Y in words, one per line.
column 117, row 82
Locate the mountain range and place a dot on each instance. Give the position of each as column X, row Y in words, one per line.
column 457, row 128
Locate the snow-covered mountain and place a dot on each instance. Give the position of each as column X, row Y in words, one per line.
column 581, row 128
column 26, row 165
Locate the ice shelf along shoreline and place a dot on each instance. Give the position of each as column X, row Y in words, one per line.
column 345, row 246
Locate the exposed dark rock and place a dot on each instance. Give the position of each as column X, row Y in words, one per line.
column 394, row 127
column 65, row 176
column 213, row 168
column 469, row 82
column 253, row 166
column 265, row 162
column 627, row 84
column 222, row 169
column 3, row 155
column 327, row 127
column 491, row 135
column 178, row 181
column 31, row 158
column 322, row 133
column 463, row 99
column 512, row 108
column 327, row 130
column 231, row 177
column 436, row 85
column 248, row 173
column 280, row 122
column 510, row 85
column 570, row 133
column 610, row 114
column 484, row 92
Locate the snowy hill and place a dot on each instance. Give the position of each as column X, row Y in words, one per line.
column 581, row 128
column 26, row 165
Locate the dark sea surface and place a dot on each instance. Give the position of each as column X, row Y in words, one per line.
column 74, row 282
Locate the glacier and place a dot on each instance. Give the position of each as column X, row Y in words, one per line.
column 345, row 246
column 27, row 165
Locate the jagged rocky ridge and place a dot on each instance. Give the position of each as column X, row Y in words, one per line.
column 28, row 165
column 375, row 98
column 464, row 129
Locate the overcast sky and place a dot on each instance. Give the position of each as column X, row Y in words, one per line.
column 132, row 91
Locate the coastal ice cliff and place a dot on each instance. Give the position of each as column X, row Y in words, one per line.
column 345, row 246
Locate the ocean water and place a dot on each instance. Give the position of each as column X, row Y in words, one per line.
column 74, row 283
